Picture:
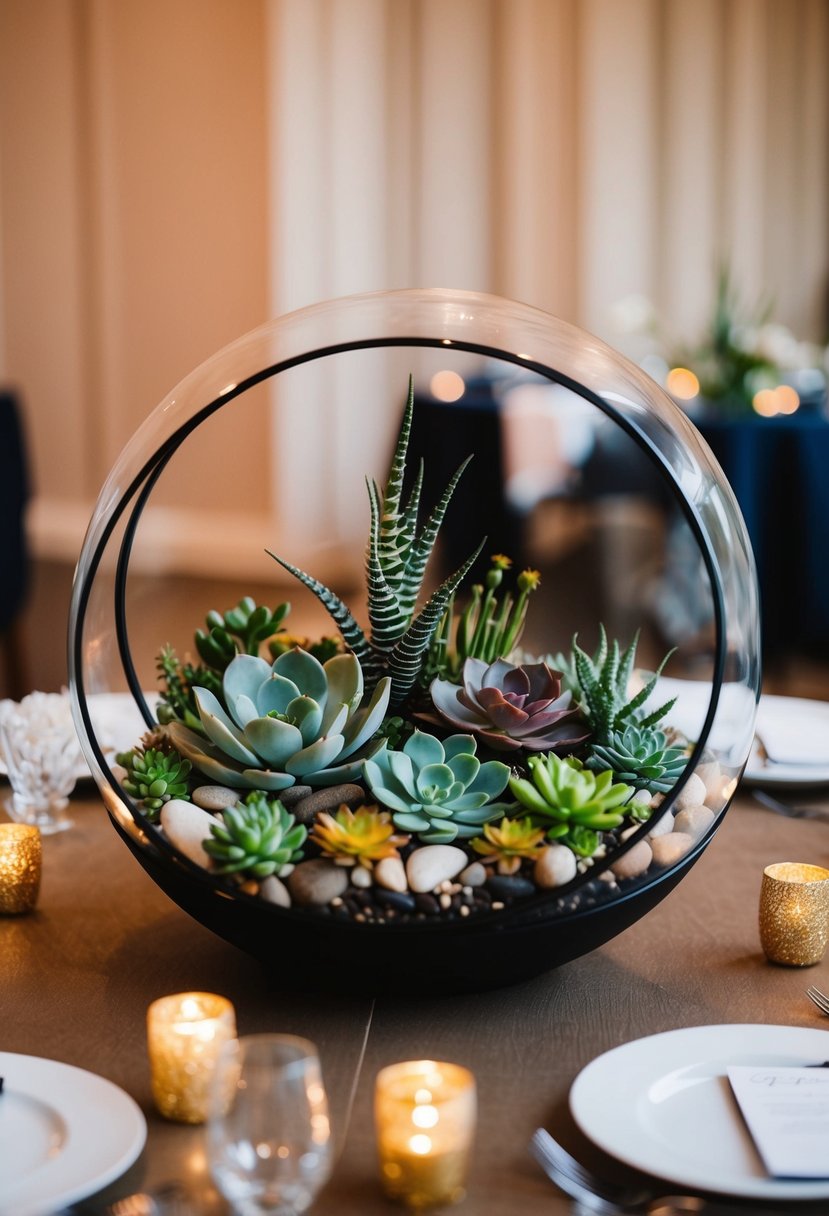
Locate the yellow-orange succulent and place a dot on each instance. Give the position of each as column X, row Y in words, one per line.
column 507, row 843
column 365, row 836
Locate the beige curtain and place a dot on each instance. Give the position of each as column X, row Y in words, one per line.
column 172, row 172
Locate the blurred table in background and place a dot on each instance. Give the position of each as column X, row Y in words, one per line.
column 779, row 471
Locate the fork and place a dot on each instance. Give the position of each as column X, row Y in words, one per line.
column 601, row 1197
column 818, row 998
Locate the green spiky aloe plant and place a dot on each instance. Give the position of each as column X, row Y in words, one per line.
column 600, row 685
column 396, row 560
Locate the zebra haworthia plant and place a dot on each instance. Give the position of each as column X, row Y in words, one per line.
column 396, row 559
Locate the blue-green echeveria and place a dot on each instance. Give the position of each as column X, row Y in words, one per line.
column 440, row 790
column 295, row 720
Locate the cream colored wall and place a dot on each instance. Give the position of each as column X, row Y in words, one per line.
column 173, row 172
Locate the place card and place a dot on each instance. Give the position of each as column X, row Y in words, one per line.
column 787, row 1112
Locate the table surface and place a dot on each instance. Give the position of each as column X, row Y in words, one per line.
column 78, row 975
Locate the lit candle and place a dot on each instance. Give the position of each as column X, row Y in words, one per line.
column 185, row 1033
column 425, row 1120
column 20, row 858
column 794, row 913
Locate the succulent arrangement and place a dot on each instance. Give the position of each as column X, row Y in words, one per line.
column 422, row 765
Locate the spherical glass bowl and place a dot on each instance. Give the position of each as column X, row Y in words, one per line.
column 582, row 464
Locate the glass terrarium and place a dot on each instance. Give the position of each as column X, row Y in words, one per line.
column 478, row 744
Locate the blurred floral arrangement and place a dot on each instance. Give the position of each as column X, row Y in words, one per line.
column 744, row 363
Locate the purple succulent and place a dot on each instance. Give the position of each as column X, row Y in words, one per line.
column 510, row 707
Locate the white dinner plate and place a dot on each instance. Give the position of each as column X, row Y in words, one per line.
column 118, row 724
column 796, row 723
column 664, row 1105
column 64, row 1134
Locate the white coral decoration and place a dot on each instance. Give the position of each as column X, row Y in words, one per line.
column 40, row 749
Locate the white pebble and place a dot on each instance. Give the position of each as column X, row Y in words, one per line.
column 635, row 862
column 662, row 826
column 669, row 849
column 555, row 866
column 474, row 875
column 390, row 874
column 692, row 794
column 694, row 820
column 428, row 867
column 361, row 877
column 445, row 900
column 186, row 826
column 711, row 776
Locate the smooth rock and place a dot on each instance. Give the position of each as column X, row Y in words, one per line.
column 662, row 826
column 635, row 862
column 711, row 775
column 510, row 886
column 118, row 771
column 215, row 797
column 361, row 877
column 292, row 795
column 317, row 882
column 669, row 849
column 694, row 820
column 330, row 798
column 427, row 904
column 692, row 794
column 555, row 866
column 390, row 874
column 473, row 876
column 274, row 891
column 643, row 797
column 186, row 826
column 433, row 864
column 401, row 901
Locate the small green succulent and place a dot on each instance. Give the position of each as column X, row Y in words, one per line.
column 240, row 630
column 567, row 793
column 440, row 790
column 154, row 777
column 257, row 837
column 642, row 757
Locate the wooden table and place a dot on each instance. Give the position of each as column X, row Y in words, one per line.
column 77, row 976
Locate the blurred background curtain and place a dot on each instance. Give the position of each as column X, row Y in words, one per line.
column 174, row 172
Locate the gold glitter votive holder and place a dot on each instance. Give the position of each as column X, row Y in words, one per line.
column 20, row 865
column 424, row 1115
column 185, row 1033
column 794, row 913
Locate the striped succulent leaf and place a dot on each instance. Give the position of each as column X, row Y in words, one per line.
column 423, row 544
column 353, row 635
column 390, row 520
column 387, row 621
column 406, row 658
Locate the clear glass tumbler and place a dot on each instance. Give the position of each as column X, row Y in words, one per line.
column 268, row 1132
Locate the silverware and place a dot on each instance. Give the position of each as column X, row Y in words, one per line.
column 818, row 998
column 604, row 1198
column 785, row 808
column 169, row 1200
column 763, row 753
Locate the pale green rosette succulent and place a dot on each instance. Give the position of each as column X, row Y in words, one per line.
column 294, row 720
column 440, row 790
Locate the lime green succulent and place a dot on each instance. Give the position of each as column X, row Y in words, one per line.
column 566, row 793
column 240, row 630
column 154, row 777
column 256, row 838
column 508, row 843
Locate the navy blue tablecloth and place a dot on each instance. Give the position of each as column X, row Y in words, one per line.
column 779, row 471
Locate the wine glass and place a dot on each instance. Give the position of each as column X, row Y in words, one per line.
column 268, row 1134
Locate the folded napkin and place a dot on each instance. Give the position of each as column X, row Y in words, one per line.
column 793, row 733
